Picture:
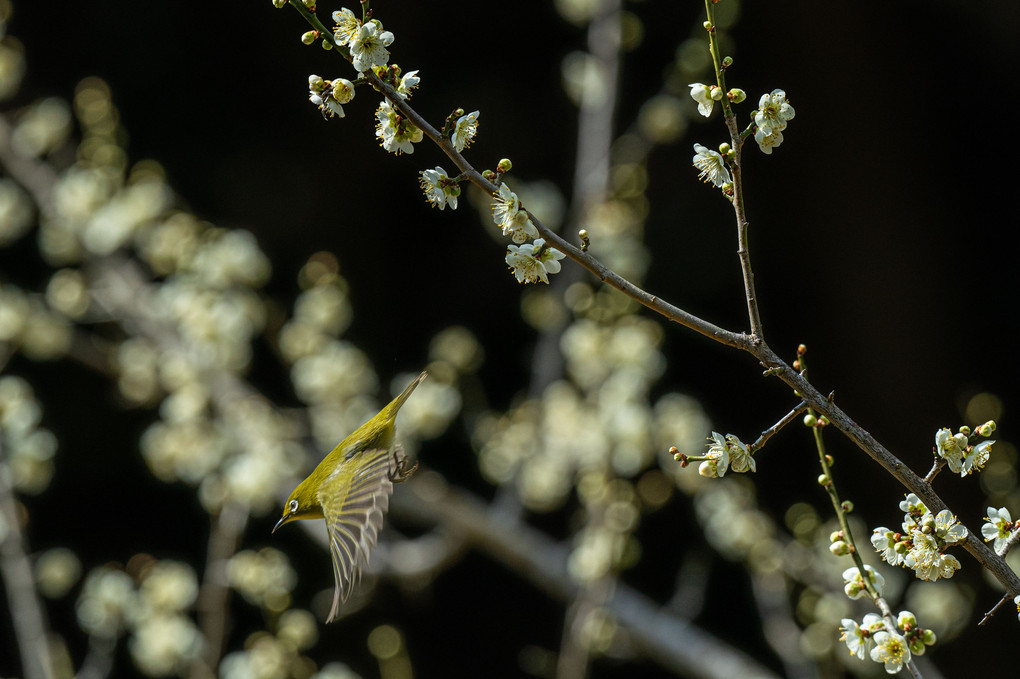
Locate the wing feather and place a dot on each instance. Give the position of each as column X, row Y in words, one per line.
column 354, row 499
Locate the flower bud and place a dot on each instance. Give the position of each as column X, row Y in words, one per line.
column 916, row 645
column 489, row 175
column 835, row 536
column 986, row 429
column 847, row 506
column 736, row 95
column 901, row 547
column 707, row 25
column 343, row 90
column 316, row 84
column 810, row 420
column 906, row 621
column 309, row 37
column 310, row 4
column 965, row 430
column 727, row 62
column 829, row 460
column 279, row 4
column 725, row 148
column 716, row 93
column 504, row 165
column 839, row 548
column 823, row 480
column 823, row 421
column 928, row 637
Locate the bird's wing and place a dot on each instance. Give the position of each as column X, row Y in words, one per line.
column 354, row 499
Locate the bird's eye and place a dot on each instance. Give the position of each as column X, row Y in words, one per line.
column 292, row 507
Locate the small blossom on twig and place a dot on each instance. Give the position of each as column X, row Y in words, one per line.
column 703, row 95
column 464, row 131
column 999, row 526
column 368, row 46
column 533, row 262
column 710, row 166
column 439, row 189
column 771, row 117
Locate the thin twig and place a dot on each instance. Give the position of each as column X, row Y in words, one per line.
column 774, row 429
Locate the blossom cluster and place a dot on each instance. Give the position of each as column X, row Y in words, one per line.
column 771, row 118
column 955, row 449
column 922, row 543
column 891, row 646
column 726, row 452
column 999, row 526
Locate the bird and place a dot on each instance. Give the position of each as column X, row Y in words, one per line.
column 350, row 488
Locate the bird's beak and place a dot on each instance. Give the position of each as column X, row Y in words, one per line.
column 284, row 519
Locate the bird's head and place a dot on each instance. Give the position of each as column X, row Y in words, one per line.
column 300, row 505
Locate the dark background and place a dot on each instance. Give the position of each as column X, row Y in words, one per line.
column 881, row 231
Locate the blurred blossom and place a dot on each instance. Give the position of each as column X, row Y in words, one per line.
column 16, row 212
column 56, row 571
column 731, row 520
column 264, row 657
column 459, row 347
column 111, row 224
column 337, row 373
column 45, row 335
column 164, row 644
column 262, row 577
column 325, row 307
column 299, row 340
column 169, row 587
column 168, row 245
column 13, row 312
column 228, row 258
column 107, row 597
column 29, row 449
column 137, row 363
column 661, row 119
column 12, row 67
column 189, row 402
column 298, row 629
column 430, row 414
column 184, row 451
column 19, row 412
column 336, row 670
column 79, row 192
column 67, row 292
column 42, row 127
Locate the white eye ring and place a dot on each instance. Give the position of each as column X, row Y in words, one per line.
column 293, row 505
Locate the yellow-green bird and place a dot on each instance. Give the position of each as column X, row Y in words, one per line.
column 351, row 489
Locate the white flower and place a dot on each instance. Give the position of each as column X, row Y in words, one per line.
column 464, row 131
column 342, row 90
column 927, row 561
column 323, row 99
column 437, row 190
column 368, row 47
column 514, row 221
column 771, row 118
column 859, row 639
column 347, row 26
column 532, row 262
column 890, row 649
column 711, row 166
column 948, row 529
column 883, row 540
column 718, row 458
column 976, row 458
column 703, row 95
column 773, row 112
column 855, row 588
column 408, row 82
column 396, row 133
column 951, row 448
column 998, row 528
column 731, row 451
column 913, row 505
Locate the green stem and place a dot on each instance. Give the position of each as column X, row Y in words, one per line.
column 739, row 210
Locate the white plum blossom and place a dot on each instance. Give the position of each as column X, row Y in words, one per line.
column 408, row 82
column 438, row 190
column 891, row 649
column 464, row 131
column 854, row 586
column 710, row 166
column 771, row 117
column 368, row 47
column 396, row 133
column 347, row 26
column 507, row 213
column 884, row 542
column 860, row 638
column 342, row 90
column 726, row 451
column 962, row 458
column 998, row 528
column 533, row 262
column 323, row 99
column 976, row 458
column 703, row 95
